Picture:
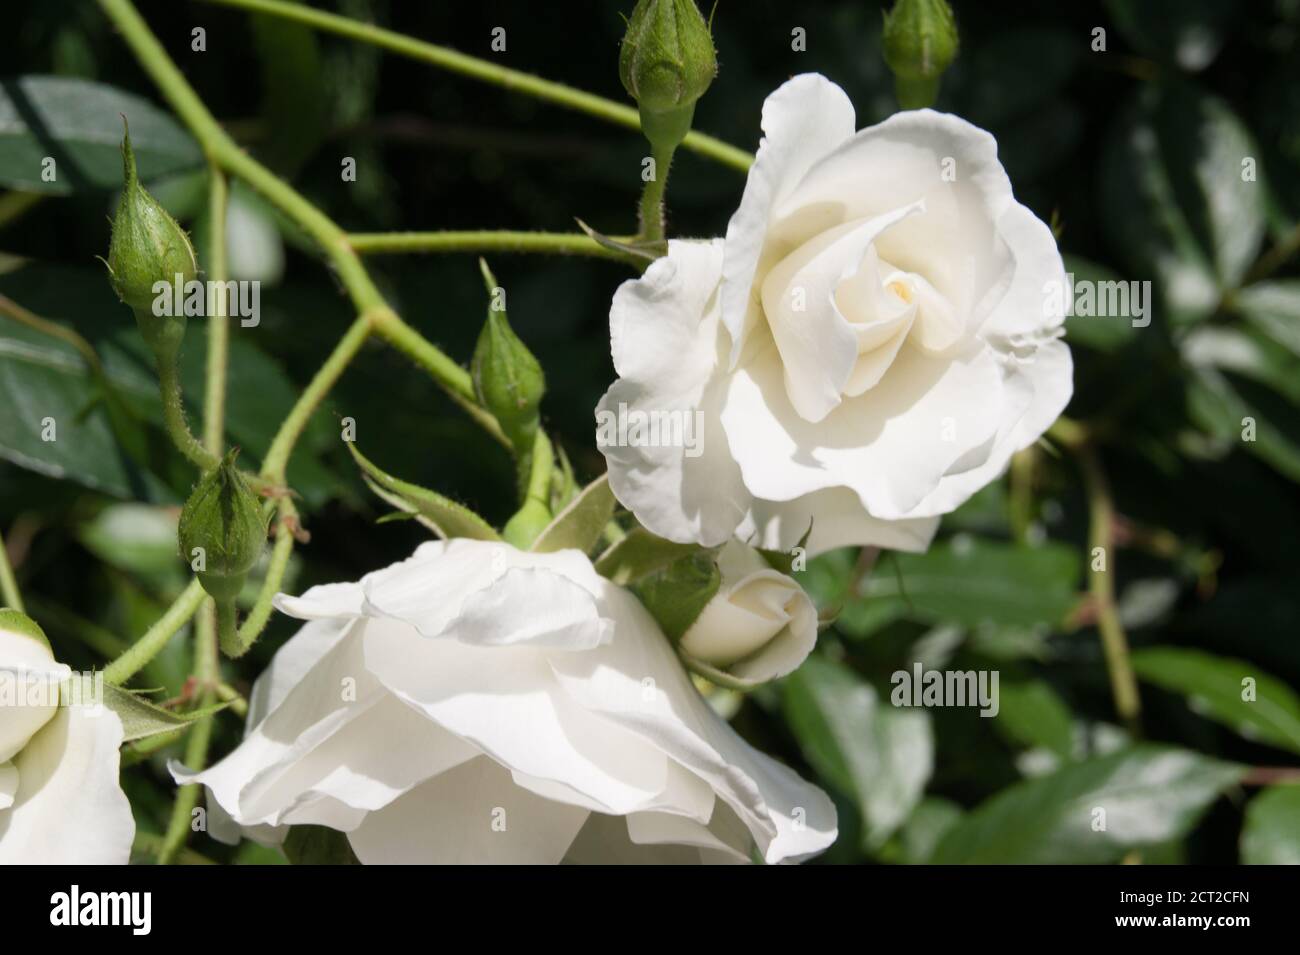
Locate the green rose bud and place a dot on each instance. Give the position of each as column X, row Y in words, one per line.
column 507, row 378
column 222, row 530
column 920, row 41
column 667, row 63
column 148, row 246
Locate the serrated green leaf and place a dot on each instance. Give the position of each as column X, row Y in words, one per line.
column 1271, row 835
column 441, row 515
column 580, row 525
column 1149, row 794
column 78, row 124
column 1214, row 687
column 880, row 755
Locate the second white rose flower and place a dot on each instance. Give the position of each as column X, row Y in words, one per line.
column 864, row 351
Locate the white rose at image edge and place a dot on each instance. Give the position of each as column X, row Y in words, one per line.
column 60, row 799
column 926, row 352
column 475, row 703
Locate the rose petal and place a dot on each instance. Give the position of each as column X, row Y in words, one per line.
column 667, row 344
column 475, row 814
column 803, row 120
column 891, row 445
column 69, row 808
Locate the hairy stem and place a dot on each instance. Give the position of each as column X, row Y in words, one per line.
column 214, row 400
column 200, row 735
column 178, row 427
column 547, row 243
column 486, row 72
column 260, row 615
column 156, row 637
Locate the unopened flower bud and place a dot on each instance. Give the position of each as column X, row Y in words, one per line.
column 222, row 530
column 920, row 41
column 148, row 246
column 760, row 624
column 507, row 378
column 667, row 63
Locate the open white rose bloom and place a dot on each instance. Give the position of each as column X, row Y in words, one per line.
column 60, row 801
column 876, row 336
column 476, row 703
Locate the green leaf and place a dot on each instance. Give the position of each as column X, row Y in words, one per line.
column 1214, row 687
column 579, row 525
column 1271, row 835
column 1030, row 712
column 318, row 845
column 637, row 554
column 971, row 581
column 78, row 124
column 140, row 718
column 1221, row 407
column 54, row 421
column 1174, row 198
column 444, row 517
column 915, row 842
column 878, row 754
column 1150, row 794
column 1273, row 308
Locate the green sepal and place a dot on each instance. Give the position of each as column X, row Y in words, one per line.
column 15, row 621
column 441, row 515
column 140, row 718
column 677, row 594
column 580, row 525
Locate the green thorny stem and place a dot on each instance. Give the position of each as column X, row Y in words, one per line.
column 1101, row 582
column 487, row 72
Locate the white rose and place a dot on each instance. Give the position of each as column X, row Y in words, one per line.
column 60, row 801
column 759, row 626
column 476, row 703
column 876, row 336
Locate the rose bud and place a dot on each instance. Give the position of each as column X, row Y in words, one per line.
column 920, row 40
column 760, row 624
column 667, row 62
column 148, row 246
column 222, row 530
column 507, row 378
